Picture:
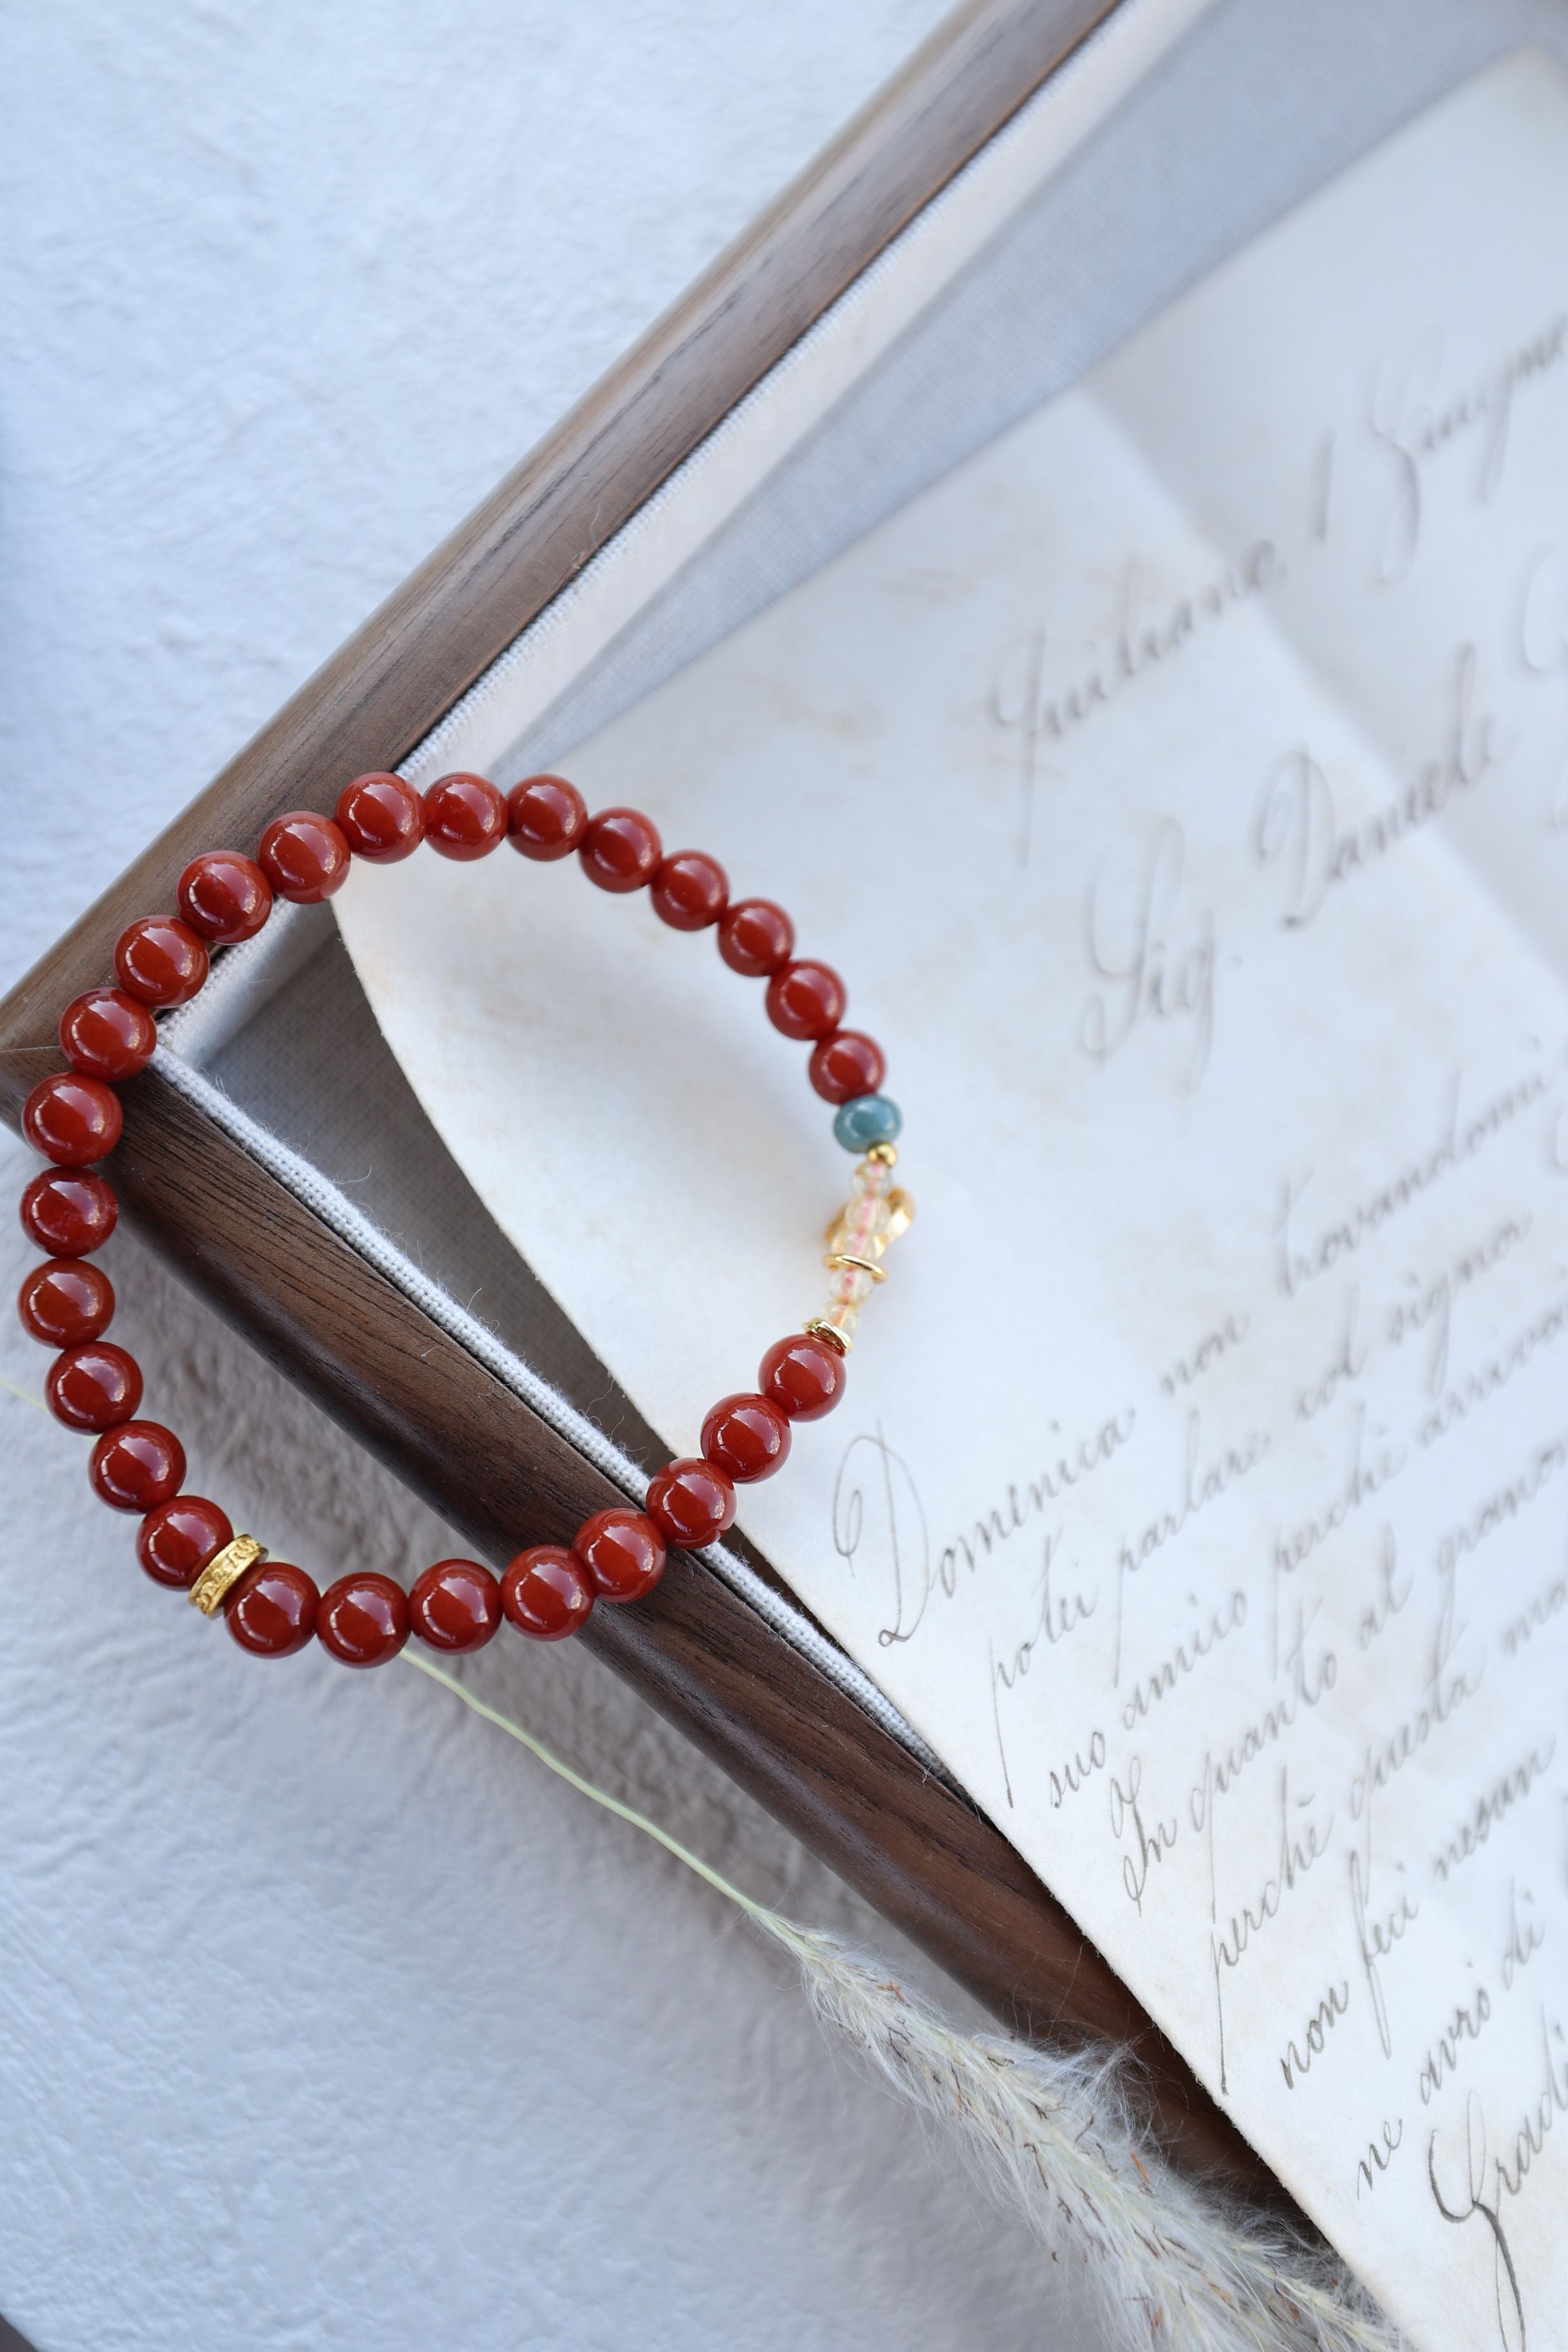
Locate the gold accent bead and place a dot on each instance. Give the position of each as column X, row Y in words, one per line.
column 223, row 1573
column 901, row 1211
column 861, row 1265
column 820, row 1329
column 885, row 1152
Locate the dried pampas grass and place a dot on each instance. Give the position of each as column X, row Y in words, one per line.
column 1060, row 2138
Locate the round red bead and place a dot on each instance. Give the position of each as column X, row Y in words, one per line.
column 70, row 1214
column 363, row 1620
column 547, row 1593
column 548, row 816
column 691, row 1502
column 465, row 816
column 94, row 1386
column 160, row 960
column 71, row 1120
column 224, row 897
column 108, row 1035
column 64, row 1303
column 304, row 856
column 455, row 1606
column 621, row 849
column 137, row 1467
column 271, row 1611
column 805, row 1000
column 755, row 937
column 845, row 1065
column 381, row 817
column 622, row 1552
column 747, row 1437
column 688, row 891
column 804, row 1376
column 176, row 1541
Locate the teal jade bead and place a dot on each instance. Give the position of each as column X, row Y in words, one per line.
column 866, row 1120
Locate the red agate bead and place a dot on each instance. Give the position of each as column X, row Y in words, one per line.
column 64, row 1303
column 381, row 817
column 688, row 891
column 455, row 1606
column 70, row 1215
column 622, row 1552
column 176, row 1541
column 805, row 1000
column 755, row 937
column 691, row 1502
column 747, row 1437
column 137, row 1467
column 271, row 1611
column 160, row 960
column 363, row 1620
column 803, row 1375
column 71, row 1120
column 224, row 897
column 846, row 1063
column 548, row 816
column 93, row 1386
column 465, row 816
column 108, row 1035
column 304, row 856
column 620, row 850
column 547, row 1593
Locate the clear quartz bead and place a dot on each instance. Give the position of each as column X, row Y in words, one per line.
column 849, row 1284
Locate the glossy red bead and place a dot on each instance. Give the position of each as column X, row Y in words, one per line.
column 845, row 1063
column 363, row 1620
column 465, row 816
column 381, row 817
column 755, row 937
column 747, row 1437
column 455, row 1606
column 94, row 1386
column 548, row 818
column 621, row 849
column 803, row 1375
column 547, row 1593
column 622, row 1552
column 688, row 891
column 805, row 1000
column 271, row 1611
column 691, row 1502
column 176, row 1541
column 137, row 1467
column 224, row 897
column 160, row 960
column 71, row 1120
column 304, row 856
column 71, row 1215
column 65, row 1302
column 108, row 1035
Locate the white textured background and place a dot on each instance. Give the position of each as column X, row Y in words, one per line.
column 327, row 2021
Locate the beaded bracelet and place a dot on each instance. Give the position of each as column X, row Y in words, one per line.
column 272, row 1608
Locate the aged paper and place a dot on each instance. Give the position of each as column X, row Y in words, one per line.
column 1183, row 788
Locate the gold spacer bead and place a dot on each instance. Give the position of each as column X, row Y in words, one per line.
column 885, row 1153
column 821, row 1330
column 900, row 1212
column 861, row 1265
column 223, row 1573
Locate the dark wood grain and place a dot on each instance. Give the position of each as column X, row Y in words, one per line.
column 503, row 1478
column 395, row 1382
column 390, row 684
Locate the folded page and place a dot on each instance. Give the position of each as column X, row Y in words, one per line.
column 1183, row 788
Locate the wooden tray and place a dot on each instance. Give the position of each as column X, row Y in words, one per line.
column 369, row 1356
